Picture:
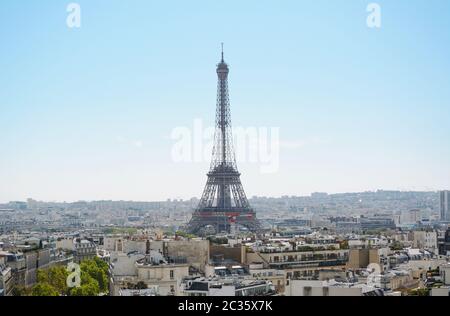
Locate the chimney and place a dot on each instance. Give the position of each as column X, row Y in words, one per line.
column 147, row 247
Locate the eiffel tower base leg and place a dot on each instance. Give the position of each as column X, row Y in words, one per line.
column 202, row 225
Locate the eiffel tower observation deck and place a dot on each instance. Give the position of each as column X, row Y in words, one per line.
column 224, row 204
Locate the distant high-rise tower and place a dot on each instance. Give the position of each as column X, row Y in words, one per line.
column 224, row 203
column 445, row 206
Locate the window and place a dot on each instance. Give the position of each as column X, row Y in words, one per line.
column 172, row 274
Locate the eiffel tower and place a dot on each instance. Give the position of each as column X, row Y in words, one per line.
column 224, row 202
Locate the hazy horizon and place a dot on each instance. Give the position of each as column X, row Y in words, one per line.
column 198, row 197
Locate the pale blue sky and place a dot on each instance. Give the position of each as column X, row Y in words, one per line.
column 372, row 107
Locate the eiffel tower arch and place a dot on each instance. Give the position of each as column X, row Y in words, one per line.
column 224, row 202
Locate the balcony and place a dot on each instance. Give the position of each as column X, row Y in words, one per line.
column 309, row 263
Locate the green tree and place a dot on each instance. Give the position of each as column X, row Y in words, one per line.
column 185, row 235
column 56, row 277
column 94, row 278
column 44, row 289
column 420, row 292
column 98, row 271
column 396, row 245
column 89, row 287
column 101, row 264
column 218, row 240
column 42, row 276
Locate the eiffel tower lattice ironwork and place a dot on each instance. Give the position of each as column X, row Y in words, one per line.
column 224, row 202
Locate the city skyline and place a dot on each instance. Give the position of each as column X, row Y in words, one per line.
column 87, row 113
column 197, row 198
